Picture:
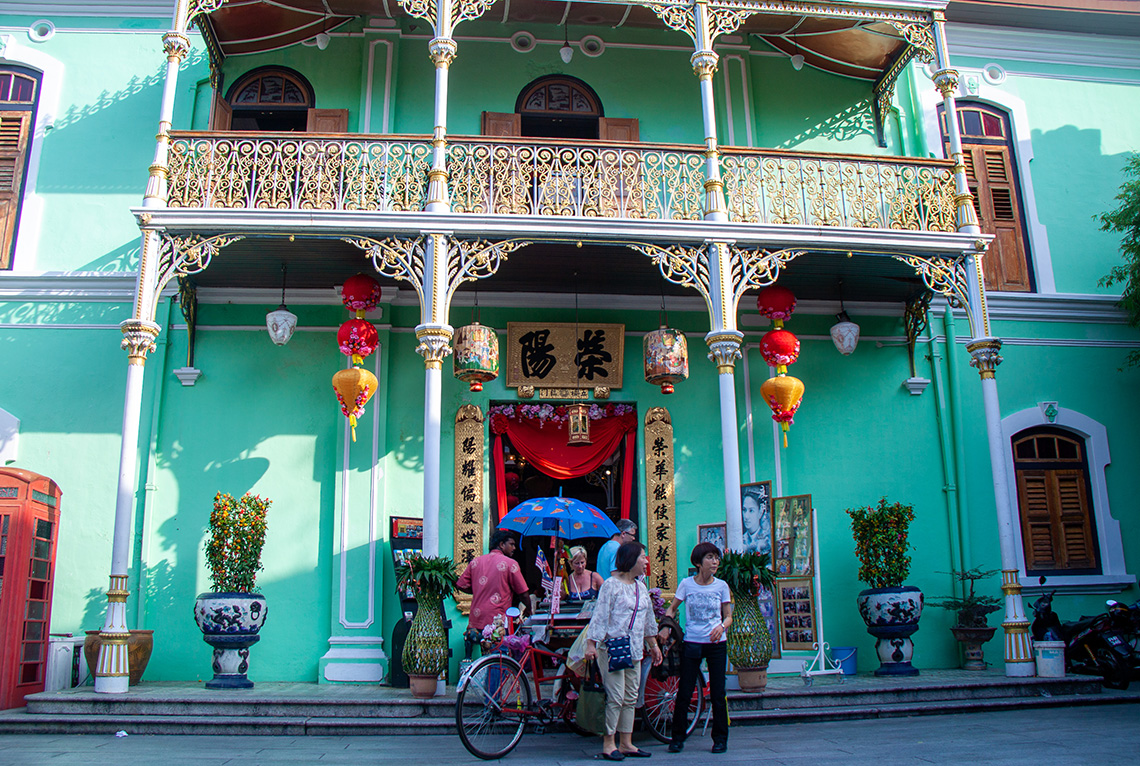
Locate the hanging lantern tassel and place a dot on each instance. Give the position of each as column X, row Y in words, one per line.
column 354, row 387
column 783, row 394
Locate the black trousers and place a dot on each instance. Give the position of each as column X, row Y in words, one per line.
column 691, row 656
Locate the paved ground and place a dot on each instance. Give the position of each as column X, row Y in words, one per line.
column 1104, row 736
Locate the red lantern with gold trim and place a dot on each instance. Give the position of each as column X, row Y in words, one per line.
column 779, row 347
column 776, row 302
column 360, row 293
column 354, row 387
column 358, row 339
column 783, row 394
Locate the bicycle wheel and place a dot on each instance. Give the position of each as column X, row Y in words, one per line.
column 491, row 707
column 567, row 700
column 660, row 701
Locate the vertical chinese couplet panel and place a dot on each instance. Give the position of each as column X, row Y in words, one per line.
column 468, row 508
column 660, row 501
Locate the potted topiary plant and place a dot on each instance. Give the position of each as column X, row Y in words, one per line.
column 231, row 615
column 971, row 629
column 432, row 578
column 890, row 609
column 749, row 642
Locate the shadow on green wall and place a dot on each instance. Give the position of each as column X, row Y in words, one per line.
column 122, row 258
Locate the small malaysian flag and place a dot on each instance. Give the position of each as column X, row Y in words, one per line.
column 544, row 569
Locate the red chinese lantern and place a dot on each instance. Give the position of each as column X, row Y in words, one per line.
column 776, row 302
column 780, row 348
column 360, row 293
column 358, row 339
column 354, row 387
column 783, row 394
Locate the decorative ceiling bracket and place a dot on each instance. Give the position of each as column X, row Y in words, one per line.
column 457, row 11
column 400, row 259
column 681, row 265
column 476, row 259
column 719, row 18
column 189, row 254
column 883, row 92
column 945, row 276
column 756, row 268
column 213, row 51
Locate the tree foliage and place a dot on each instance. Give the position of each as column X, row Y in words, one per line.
column 881, row 545
column 1125, row 219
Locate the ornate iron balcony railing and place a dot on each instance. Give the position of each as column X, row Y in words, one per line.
column 505, row 176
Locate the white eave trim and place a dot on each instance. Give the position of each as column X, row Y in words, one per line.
column 1005, row 44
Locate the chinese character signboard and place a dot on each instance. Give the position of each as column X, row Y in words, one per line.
column 468, row 507
column 660, row 503
column 550, row 356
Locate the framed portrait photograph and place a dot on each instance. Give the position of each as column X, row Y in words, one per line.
column 712, row 533
column 795, row 607
column 756, row 517
column 791, row 536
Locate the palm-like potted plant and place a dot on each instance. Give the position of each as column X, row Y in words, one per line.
column 231, row 615
column 890, row 609
column 749, row 641
column 431, row 578
column 971, row 629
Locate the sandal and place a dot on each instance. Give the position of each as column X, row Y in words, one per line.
column 615, row 755
column 638, row 753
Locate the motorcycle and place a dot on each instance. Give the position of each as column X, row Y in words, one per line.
column 1101, row 645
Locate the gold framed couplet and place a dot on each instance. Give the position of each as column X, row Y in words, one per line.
column 660, row 503
column 796, row 609
column 468, row 492
column 792, row 541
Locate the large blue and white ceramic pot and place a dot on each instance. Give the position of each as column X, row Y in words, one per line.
column 230, row 622
column 892, row 616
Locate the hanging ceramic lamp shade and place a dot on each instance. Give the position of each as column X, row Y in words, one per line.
column 353, row 387
column 281, row 324
column 783, row 394
column 844, row 334
column 666, row 358
column 476, row 355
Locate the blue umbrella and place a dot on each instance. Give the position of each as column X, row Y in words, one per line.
column 562, row 517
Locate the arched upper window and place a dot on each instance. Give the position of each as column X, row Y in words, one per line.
column 275, row 99
column 558, row 106
column 1055, row 505
column 987, row 148
column 19, row 92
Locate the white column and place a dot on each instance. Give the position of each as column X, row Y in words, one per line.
column 434, row 336
column 442, row 51
column 734, row 529
column 985, row 357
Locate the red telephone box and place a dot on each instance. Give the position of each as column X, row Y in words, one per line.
column 29, row 523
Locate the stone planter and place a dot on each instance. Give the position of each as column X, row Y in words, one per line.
column 891, row 615
column 752, row 679
column 972, row 640
column 230, row 622
column 139, row 648
column 423, row 687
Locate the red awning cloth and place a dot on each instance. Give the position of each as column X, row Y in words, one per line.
column 542, row 441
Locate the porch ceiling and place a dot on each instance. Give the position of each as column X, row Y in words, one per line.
column 255, row 263
column 850, row 47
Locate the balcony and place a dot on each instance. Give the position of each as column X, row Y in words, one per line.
column 584, row 179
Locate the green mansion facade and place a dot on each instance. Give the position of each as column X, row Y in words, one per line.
column 536, row 164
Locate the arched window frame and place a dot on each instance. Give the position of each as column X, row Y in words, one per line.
column 13, row 52
column 1114, row 576
column 974, row 86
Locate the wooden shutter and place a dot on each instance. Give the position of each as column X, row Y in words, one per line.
column 618, row 129
column 502, row 124
column 990, row 173
column 1056, row 523
column 14, row 131
column 221, row 113
column 327, row 121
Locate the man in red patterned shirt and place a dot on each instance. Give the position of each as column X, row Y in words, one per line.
column 493, row 580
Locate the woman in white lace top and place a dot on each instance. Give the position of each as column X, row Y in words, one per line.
column 624, row 608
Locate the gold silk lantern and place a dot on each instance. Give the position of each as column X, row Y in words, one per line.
column 476, row 355
column 783, row 394
column 354, row 387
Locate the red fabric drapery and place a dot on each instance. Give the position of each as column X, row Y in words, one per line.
column 544, row 445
